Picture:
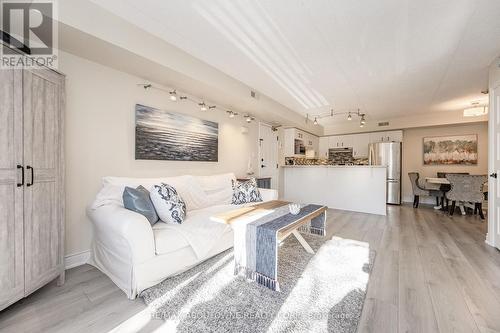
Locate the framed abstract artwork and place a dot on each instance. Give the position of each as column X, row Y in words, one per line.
column 164, row 135
column 450, row 150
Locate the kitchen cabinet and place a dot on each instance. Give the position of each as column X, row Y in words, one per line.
column 360, row 144
column 289, row 142
column 310, row 142
column 323, row 147
column 340, row 141
column 388, row 136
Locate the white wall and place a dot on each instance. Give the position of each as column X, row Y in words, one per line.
column 413, row 153
column 100, row 138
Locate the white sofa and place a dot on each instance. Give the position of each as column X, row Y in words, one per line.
column 137, row 256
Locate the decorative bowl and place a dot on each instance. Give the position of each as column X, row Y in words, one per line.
column 294, row 208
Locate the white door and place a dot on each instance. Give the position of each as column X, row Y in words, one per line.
column 494, row 180
column 268, row 153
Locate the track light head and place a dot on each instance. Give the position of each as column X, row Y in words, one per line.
column 248, row 118
column 173, row 95
column 203, row 106
column 349, row 117
column 231, row 114
column 315, row 121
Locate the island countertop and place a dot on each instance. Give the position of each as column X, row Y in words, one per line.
column 359, row 188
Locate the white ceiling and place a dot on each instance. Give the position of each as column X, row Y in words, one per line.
column 388, row 57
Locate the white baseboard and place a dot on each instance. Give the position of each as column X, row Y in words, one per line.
column 76, row 259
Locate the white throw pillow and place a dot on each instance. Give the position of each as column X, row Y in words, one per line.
column 245, row 192
column 168, row 203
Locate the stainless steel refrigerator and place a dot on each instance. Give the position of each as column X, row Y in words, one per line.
column 388, row 154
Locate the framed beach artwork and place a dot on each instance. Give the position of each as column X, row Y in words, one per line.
column 451, row 150
column 164, row 135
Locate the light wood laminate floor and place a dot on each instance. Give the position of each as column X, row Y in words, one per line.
column 432, row 273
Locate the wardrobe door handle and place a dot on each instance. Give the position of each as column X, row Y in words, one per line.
column 19, row 166
column 32, row 175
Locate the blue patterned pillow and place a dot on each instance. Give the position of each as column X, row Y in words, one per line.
column 244, row 192
column 139, row 201
column 168, row 203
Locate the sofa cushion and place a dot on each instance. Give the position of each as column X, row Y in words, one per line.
column 218, row 188
column 167, row 238
column 168, row 203
column 244, row 192
column 138, row 200
column 189, row 189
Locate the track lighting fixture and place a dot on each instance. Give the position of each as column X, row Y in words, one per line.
column 332, row 113
column 173, row 95
column 361, row 125
column 231, row 114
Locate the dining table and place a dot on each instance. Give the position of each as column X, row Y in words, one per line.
column 444, row 181
column 439, row 181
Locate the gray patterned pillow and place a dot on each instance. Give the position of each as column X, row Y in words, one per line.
column 138, row 200
column 244, row 192
column 168, row 203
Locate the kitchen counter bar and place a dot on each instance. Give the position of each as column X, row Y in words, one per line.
column 358, row 188
column 333, row 166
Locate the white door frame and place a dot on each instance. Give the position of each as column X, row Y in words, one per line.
column 274, row 172
column 492, row 237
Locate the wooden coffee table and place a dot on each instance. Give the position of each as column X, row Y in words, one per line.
column 259, row 210
column 258, row 231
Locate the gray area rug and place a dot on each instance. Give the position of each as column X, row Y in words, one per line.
column 324, row 292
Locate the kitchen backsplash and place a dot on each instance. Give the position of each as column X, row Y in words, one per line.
column 324, row 161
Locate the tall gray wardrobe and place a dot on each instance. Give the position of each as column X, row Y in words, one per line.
column 31, row 181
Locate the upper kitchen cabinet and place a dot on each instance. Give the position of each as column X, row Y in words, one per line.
column 323, row 146
column 360, row 144
column 340, row 141
column 297, row 142
column 390, row 136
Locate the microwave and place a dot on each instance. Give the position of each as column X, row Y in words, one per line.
column 300, row 148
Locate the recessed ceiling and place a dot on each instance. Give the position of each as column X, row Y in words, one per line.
column 389, row 58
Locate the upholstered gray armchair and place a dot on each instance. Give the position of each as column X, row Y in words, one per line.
column 466, row 188
column 417, row 189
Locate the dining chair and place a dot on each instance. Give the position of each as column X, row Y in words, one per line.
column 417, row 189
column 466, row 188
column 446, row 187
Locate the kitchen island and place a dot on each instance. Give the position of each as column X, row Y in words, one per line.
column 356, row 188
